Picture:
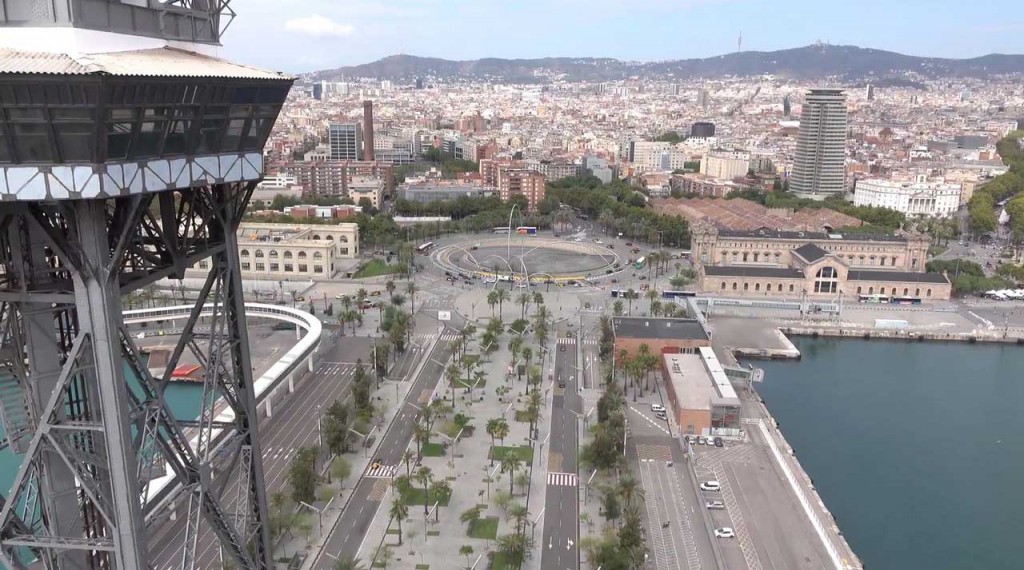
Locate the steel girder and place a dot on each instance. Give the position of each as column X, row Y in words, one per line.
column 82, row 406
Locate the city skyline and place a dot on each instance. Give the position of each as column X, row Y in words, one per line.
column 323, row 35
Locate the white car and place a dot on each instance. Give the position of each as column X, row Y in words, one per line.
column 725, row 532
column 714, row 505
column 490, row 280
column 657, row 408
column 710, row 486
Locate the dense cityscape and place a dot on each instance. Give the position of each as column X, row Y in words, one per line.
column 762, row 310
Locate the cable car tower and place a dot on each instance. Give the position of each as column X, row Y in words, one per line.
column 128, row 153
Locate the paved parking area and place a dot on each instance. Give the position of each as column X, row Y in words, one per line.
column 759, row 507
column 670, row 523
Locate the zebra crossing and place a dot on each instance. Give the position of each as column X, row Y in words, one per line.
column 563, row 479
column 382, row 471
column 586, row 341
column 429, row 337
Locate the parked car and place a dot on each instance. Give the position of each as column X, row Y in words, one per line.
column 657, row 408
column 714, row 505
column 701, row 440
column 710, row 486
column 661, row 416
column 725, row 532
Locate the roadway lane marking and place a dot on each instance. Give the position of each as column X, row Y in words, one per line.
column 656, row 425
column 382, row 471
column 563, row 479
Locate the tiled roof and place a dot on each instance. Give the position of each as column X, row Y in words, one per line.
column 158, row 62
column 810, row 252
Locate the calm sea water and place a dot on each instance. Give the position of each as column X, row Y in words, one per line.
column 916, row 448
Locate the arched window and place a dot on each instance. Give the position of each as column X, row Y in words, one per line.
column 790, row 287
column 302, row 255
column 894, row 291
column 244, row 253
column 287, row 255
column 755, row 256
column 906, row 291
column 723, row 285
column 871, row 290
column 734, row 284
column 917, row 292
column 777, row 256
column 744, row 257
column 746, row 286
column 862, row 260
column 735, row 256
column 259, row 253
column 858, row 290
column 757, row 286
column 929, row 293
column 316, row 236
column 330, row 238
column 827, row 280
column 343, row 239
column 273, row 254
column 317, row 255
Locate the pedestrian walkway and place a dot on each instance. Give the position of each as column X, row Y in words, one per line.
column 382, row 471
column 429, row 337
column 563, row 479
column 586, row 341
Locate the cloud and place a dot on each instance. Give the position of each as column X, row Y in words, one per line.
column 318, row 26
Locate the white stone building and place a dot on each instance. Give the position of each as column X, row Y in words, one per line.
column 918, row 199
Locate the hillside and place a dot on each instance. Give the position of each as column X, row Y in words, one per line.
column 849, row 63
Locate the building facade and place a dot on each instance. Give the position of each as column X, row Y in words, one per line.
column 701, row 185
column 819, row 165
column 345, row 141
column 725, row 164
column 521, row 182
column 287, row 251
column 920, row 199
column 661, row 335
column 702, row 129
column 332, row 177
column 699, row 394
column 795, row 264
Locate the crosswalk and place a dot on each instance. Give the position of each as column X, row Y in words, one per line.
column 429, row 337
column 586, row 341
column 382, row 471
column 563, row 479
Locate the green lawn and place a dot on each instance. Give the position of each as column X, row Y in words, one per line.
column 374, row 268
column 452, row 430
column 433, row 450
column 498, row 562
column 524, row 452
column 415, row 498
column 486, row 527
column 522, row 416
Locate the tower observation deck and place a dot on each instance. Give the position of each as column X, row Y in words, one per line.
column 128, row 152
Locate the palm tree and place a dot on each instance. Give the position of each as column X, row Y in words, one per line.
column 630, row 295
column 509, row 464
column 343, row 320
column 656, row 308
column 399, row 511
column 411, row 289
column 452, row 376
column 361, row 294
column 630, row 490
column 651, row 295
column 407, row 456
column 493, row 298
column 606, row 220
column 524, row 300
column 519, row 514
column 503, row 295
column 617, row 308
column 422, row 435
column 538, row 298
column 527, row 357
column 348, row 564
column 390, row 286
column 425, row 477
column 492, row 430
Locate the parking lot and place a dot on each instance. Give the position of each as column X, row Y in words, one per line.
column 758, row 507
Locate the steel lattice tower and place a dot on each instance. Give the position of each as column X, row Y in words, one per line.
column 128, row 153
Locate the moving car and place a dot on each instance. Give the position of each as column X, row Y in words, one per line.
column 661, row 416
column 710, row 486
column 561, row 383
column 719, row 442
column 561, row 348
column 657, row 408
column 714, row 505
column 725, row 532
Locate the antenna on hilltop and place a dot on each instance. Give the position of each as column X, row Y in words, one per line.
column 739, row 42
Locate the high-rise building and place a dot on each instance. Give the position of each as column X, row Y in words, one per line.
column 869, row 92
column 818, row 169
column 419, row 83
column 318, row 90
column 702, row 129
column 702, row 98
column 344, row 141
column 787, row 107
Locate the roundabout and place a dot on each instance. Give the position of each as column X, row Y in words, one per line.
column 536, row 259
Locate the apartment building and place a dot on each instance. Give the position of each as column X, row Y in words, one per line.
column 919, row 198
column 521, row 182
column 725, row 164
column 290, row 251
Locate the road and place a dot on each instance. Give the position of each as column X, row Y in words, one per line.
column 293, row 425
column 348, row 531
column 561, row 499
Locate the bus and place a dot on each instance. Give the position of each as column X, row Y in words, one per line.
column 875, row 298
column 526, row 230
column 502, row 230
column 905, row 300
column 674, row 294
column 424, row 248
column 640, row 263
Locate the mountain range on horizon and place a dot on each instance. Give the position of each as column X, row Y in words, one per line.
column 846, row 63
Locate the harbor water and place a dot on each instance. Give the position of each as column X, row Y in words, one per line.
column 916, row 448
